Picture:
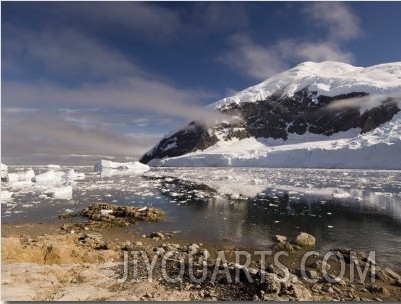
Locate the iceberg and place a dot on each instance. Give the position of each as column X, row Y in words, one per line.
column 108, row 168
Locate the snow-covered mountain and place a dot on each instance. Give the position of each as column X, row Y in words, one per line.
column 325, row 115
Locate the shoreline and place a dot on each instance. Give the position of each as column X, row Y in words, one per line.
column 94, row 264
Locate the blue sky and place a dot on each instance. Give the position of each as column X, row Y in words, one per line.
column 111, row 78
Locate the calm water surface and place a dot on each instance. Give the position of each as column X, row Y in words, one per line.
column 360, row 209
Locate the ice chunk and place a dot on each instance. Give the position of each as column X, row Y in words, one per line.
column 108, row 168
column 72, row 175
column 63, row 192
column 51, row 177
column 54, row 167
column 6, row 195
column 26, row 176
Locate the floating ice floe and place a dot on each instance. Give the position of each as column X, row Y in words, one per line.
column 50, row 177
column 54, row 167
column 73, row 176
column 63, row 192
column 108, row 168
column 6, row 195
column 21, row 179
column 51, row 184
column 53, row 177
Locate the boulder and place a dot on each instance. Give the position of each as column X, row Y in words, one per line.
column 157, row 235
column 392, row 274
column 305, row 240
column 378, row 289
column 301, row 293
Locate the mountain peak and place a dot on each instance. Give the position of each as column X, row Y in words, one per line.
column 328, row 78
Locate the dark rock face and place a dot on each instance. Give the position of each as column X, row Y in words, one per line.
column 277, row 117
column 193, row 137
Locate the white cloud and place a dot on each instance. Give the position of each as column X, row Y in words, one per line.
column 218, row 16
column 292, row 49
column 260, row 61
column 65, row 54
column 255, row 60
column 130, row 94
column 338, row 17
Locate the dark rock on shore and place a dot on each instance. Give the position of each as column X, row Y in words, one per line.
column 121, row 215
column 305, row 240
column 101, row 216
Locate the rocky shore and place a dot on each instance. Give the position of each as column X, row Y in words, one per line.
column 86, row 261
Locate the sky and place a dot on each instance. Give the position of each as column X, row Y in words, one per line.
column 87, row 80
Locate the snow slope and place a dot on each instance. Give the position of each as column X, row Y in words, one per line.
column 378, row 149
column 327, row 78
